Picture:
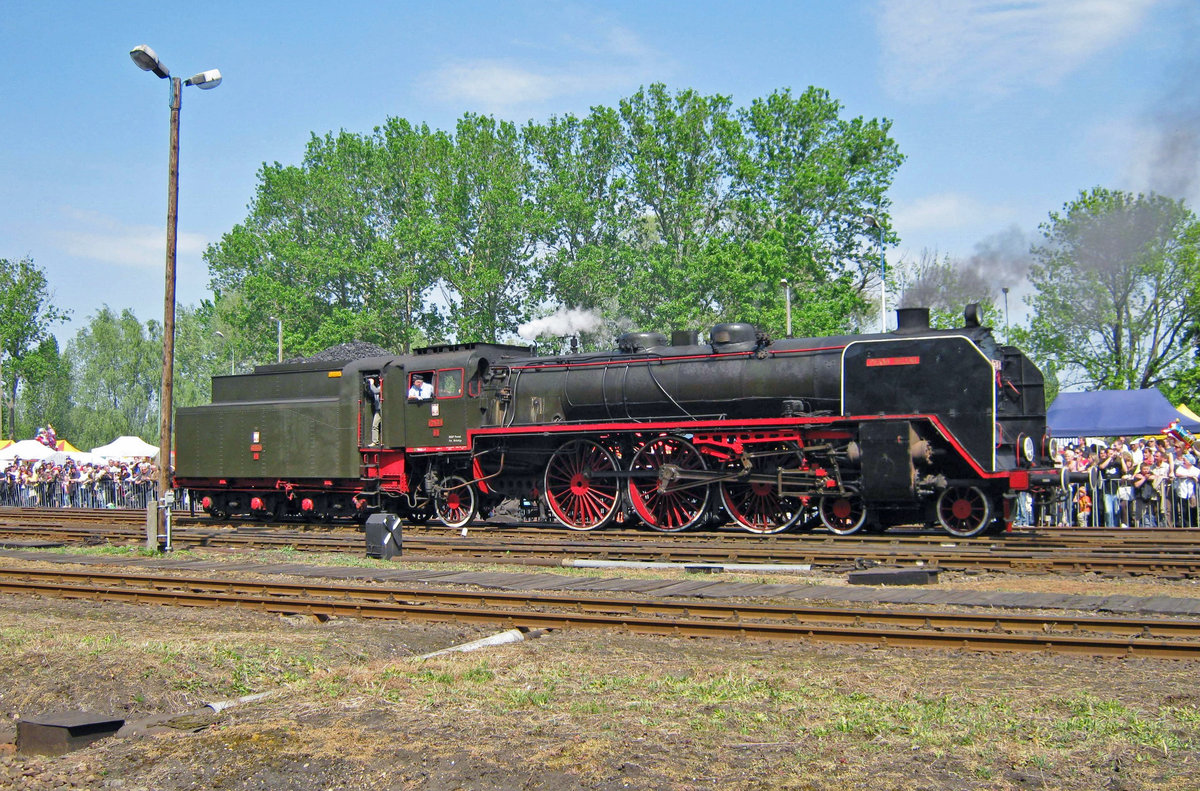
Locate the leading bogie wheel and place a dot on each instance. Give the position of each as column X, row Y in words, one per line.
column 964, row 511
column 664, row 499
column 843, row 515
column 455, row 501
column 581, row 485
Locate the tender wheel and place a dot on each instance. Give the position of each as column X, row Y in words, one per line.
column 843, row 516
column 455, row 502
column 755, row 505
column 964, row 511
column 663, row 501
column 581, row 486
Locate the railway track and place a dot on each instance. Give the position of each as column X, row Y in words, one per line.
column 1091, row 635
column 1149, row 555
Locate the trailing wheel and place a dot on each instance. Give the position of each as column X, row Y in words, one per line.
column 581, row 485
column 755, row 505
column 661, row 497
column 455, row 501
column 964, row 511
column 844, row 515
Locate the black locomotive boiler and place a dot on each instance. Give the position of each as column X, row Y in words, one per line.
column 861, row 431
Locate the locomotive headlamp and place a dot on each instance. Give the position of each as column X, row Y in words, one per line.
column 1029, row 450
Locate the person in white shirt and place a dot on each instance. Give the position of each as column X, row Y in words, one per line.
column 1138, row 454
column 420, row 390
column 1187, row 486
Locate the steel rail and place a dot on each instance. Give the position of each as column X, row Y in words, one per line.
column 1067, row 634
column 558, row 550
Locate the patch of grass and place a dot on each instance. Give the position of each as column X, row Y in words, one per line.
column 95, row 645
column 718, row 689
column 1090, row 717
column 16, row 637
column 525, row 698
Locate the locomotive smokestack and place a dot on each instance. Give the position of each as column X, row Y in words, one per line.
column 910, row 320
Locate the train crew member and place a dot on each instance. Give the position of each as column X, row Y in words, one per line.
column 420, row 390
column 373, row 391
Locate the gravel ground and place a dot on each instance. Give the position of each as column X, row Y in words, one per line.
column 353, row 707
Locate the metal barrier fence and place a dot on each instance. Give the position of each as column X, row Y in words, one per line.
column 1173, row 502
column 98, row 494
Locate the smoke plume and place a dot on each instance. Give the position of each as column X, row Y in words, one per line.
column 1001, row 260
column 1174, row 156
column 564, row 321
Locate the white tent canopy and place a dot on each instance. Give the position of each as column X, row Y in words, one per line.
column 26, row 449
column 79, row 457
column 126, row 448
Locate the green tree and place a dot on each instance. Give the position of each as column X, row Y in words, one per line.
column 303, row 252
column 27, row 312
column 679, row 159
column 116, row 372
column 45, row 392
column 200, row 354
column 485, row 209
column 583, row 222
column 1116, row 281
column 671, row 210
column 411, row 171
column 806, row 183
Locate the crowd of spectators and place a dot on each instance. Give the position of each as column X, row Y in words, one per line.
column 64, row 481
column 1147, row 482
column 110, row 484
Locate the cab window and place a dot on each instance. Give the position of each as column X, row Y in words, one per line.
column 450, row 383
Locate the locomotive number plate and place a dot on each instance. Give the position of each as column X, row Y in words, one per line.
column 875, row 362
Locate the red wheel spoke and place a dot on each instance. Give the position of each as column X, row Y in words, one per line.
column 579, row 487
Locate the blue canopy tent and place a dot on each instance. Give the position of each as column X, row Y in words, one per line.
column 1112, row 413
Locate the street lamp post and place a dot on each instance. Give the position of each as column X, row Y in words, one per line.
column 873, row 222
column 278, row 338
column 1005, row 290
column 787, row 299
column 146, row 60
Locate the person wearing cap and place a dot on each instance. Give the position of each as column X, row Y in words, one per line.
column 420, row 390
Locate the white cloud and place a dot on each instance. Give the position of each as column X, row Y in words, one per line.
column 495, row 85
column 99, row 237
column 934, row 47
column 946, row 211
column 600, row 57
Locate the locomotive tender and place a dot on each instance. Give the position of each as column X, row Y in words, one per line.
column 861, row 431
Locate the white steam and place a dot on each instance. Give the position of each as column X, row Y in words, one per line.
column 564, row 321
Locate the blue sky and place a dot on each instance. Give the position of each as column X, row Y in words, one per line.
column 1005, row 110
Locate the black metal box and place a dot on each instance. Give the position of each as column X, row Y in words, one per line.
column 63, row 731
column 893, row 576
column 384, row 536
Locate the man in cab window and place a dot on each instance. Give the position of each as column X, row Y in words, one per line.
column 420, row 390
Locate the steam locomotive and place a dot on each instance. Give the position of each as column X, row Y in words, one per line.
column 916, row 425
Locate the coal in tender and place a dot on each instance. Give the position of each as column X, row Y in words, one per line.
column 344, row 353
